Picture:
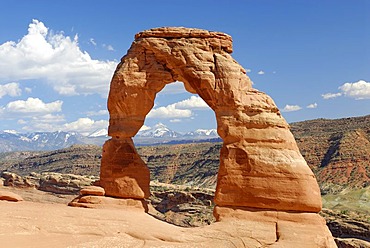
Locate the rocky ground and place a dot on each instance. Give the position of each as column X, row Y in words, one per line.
column 180, row 205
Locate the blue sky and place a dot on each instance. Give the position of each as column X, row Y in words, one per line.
column 57, row 58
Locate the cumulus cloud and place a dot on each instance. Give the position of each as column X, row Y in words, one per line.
column 32, row 106
column 312, row 106
column 194, row 102
column 84, row 125
column 182, row 109
column 50, row 123
column 358, row 90
column 260, row 72
column 330, row 95
column 11, row 89
column 169, row 111
column 291, row 108
column 55, row 59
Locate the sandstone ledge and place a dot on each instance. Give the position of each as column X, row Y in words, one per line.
column 93, row 201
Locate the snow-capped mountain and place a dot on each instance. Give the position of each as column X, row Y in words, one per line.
column 161, row 134
column 158, row 131
column 14, row 141
column 203, row 132
column 11, row 140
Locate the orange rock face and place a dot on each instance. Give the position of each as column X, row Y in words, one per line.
column 261, row 166
column 123, row 173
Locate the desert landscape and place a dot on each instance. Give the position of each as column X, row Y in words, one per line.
column 241, row 124
column 255, row 189
column 183, row 180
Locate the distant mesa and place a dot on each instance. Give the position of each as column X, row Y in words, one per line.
column 262, row 179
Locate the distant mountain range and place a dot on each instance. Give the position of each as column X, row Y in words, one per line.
column 13, row 141
column 338, row 152
column 40, row 141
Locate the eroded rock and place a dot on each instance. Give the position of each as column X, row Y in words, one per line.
column 92, row 190
column 9, row 196
column 261, row 168
column 260, row 163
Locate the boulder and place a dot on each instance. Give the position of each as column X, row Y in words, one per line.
column 92, row 190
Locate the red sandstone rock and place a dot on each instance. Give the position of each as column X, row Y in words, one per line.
column 93, row 201
column 263, row 181
column 9, row 196
column 123, row 173
column 261, row 166
column 92, row 190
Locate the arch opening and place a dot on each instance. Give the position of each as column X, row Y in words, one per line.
column 178, row 118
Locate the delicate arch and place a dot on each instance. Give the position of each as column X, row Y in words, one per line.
column 260, row 164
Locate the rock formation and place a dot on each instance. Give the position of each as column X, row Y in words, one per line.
column 9, row 196
column 261, row 168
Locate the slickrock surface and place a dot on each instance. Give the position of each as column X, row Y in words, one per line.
column 261, row 173
column 30, row 224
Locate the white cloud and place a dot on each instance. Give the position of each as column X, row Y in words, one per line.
column 84, row 125
column 96, row 113
column 291, row 108
column 32, row 106
column 175, row 120
column 358, row 90
column 55, row 59
column 108, row 47
column 194, row 102
column 248, row 70
column 260, row 72
column 182, row 109
column 11, row 89
column 50, row 123
column 169, row 111
column 28, row 90
column 330, row 95
column 312, row 106
column 92, row 41
column 46, row 122
column 144, row 128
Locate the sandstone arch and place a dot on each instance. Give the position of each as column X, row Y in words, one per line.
column 260, row 164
